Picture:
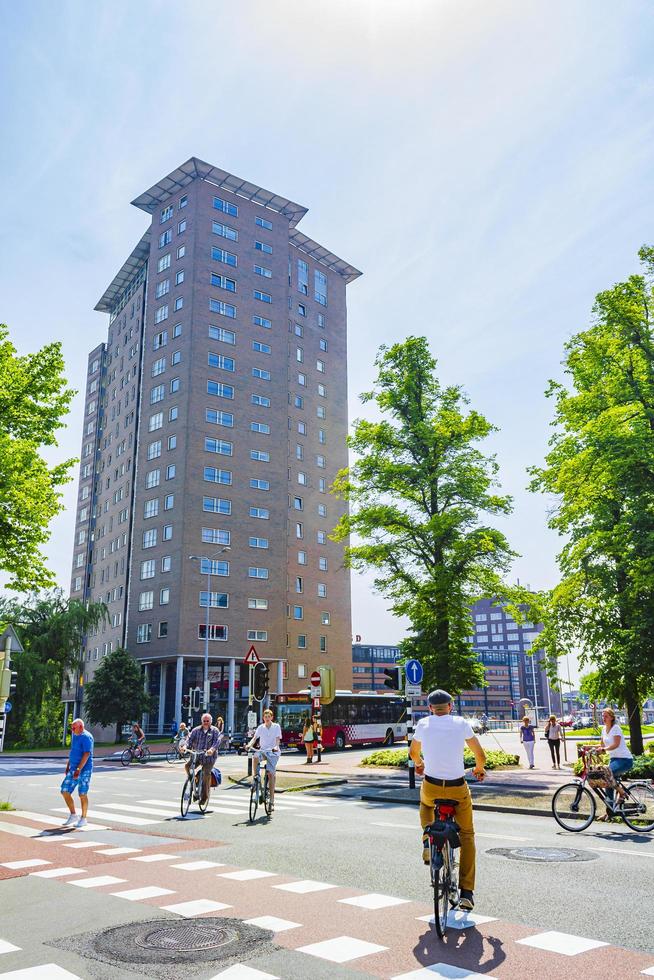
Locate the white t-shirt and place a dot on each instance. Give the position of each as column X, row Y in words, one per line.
column 268, row 736
column 622, row 752
column 442, row 739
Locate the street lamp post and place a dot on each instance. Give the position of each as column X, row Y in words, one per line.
column 201, row 558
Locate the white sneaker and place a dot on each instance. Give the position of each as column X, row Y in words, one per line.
column 73, row 818
column 81, row 823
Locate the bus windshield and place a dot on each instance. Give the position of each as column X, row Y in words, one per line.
column 291, row 716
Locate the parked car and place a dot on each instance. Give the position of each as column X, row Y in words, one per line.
column 238, row 741
column 567, row 721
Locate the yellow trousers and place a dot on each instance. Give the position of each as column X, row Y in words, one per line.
column 463, row 816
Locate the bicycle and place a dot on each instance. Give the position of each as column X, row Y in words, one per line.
column 193, row 786
column 260, row 789
column 138, row 753
column 443, row 835
column 175, row 753
column 574, row 807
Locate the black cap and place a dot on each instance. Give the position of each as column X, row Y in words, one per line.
column 440, row 697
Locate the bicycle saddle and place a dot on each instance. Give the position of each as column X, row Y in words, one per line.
column 446, row 802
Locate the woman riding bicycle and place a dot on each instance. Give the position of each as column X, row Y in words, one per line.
column 620, row 758
column 137, row 738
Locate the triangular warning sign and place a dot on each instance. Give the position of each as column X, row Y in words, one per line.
column 252, row 657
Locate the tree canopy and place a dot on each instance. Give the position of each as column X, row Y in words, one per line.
column 600, row 472
column 116, row 695
column 420, row 494
column 34, row 398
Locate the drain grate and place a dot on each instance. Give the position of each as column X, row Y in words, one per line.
column 187, row 937
column 543, row 855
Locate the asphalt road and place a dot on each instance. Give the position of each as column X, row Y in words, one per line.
column 378, row 847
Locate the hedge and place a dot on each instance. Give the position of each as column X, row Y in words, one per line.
column 495, row 758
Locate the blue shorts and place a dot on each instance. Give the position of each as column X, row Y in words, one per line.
column 81, row 784
column 272, row 758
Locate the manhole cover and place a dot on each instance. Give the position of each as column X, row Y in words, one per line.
column 543, row 855
column 186, row 937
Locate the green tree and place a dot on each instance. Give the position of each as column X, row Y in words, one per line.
column 52, row 629
column 34, row 398
column 600, row 470
column 419, row 492
column 116, row 694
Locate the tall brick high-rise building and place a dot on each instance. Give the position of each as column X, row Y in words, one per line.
column 215, row 418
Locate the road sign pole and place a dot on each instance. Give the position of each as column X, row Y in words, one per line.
column 250, row 704
column 409, row 738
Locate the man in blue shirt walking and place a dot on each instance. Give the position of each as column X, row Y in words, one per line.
column 79, row 770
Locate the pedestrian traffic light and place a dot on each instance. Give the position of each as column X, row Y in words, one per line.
column 260, row 685
column 393, row 678
column 186, row 701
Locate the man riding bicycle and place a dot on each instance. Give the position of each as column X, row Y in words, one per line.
column 270, row 736
column 204, row 738
column 437, row 751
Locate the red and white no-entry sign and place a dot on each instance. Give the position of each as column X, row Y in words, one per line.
column 315, row 679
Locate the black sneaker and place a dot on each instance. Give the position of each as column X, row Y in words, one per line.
column 466, row 901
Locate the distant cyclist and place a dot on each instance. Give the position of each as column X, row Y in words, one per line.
column 437, row 751
column 137, row 738
column 270, row 736
column 180, row 737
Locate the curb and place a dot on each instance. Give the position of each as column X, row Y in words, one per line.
column 492, row 807
column 292, row 789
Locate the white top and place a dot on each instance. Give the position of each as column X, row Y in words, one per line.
column 442, row 740
column 622, row 752
column 268, row 736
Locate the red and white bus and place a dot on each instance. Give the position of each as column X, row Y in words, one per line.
column 351, row 719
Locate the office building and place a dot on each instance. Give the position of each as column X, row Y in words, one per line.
column 368, row 664
column 215, row 421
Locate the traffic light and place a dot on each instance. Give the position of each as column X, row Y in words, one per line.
column 393, row 678
column 186, row 701
column 260, row 685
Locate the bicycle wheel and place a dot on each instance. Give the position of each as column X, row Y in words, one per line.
column 254, row 798
column 573, row 807
column 440, row 882
column 145, row 755
column 638, row 808
column 126, row 757
column 267, row 802
column 172, row 755
column 187, row 795
column 454, row 894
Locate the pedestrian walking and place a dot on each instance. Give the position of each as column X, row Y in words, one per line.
column 553, row 734
column 79, row 770
column 528, row 739
column 308, row 739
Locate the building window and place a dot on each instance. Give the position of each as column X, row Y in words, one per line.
column 260, row 455
column 260, row 270
column 220, row 361
column 227, row 258
column 216, row 505
column 151, row 508
column 301, row 557
column 261, row 296
column 183, row 201
column 254, row 572
column 298, row 401
column 214, row 566
column 321, row 537
column 218, row 446
column 164, row 597
column 261, row 400
column 262, row 513
column 261, row 348
column 302, row 479
column 257, row 603
column 219, row 333
column 152, row 479
column 163, row 263
column 325, row 618
column 156, row 422
column 263, row 223
column 166, row 563
column 320, row 366
column 163, row 630
column 298, row 503
column 150, row 538
column 224, row 309
column 299, row 529
column 144, row 632
column 258, row 542
column 323, row 344
column 170, row 471
column 179, row 302
column 260, row 635
column 158, row 367
column 261, row 374
column 169, row 501
column 173, row 414
column 147, row 569
column 225, row 207
column 162, row 288
column 181, row 251
column 263, row 247
column 219, row 418
column 322, row 564
column 216, row 632
column 214, row 475
column 303, row 277
column 322, row 590
column 321, row 412
column 302, row 379
column 154, row 449
column 161, row 314
column 212, row 535
column 146, row 601
column 165, row 238
column 261, row 321
column 181, row 227
column 261, row 427
column 260, row 484
column 217, row 600
column 323, row 644
column 219, row 390
column 320, row 461
column 172, row 443
column 166, row 213
column 222, row 282
column 320, row 287
column 302, row 641
column 301, row 670
column 224, row 231
column 157, row 394
column 302, row 310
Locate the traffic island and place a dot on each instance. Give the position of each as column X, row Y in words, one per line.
column 291, row 782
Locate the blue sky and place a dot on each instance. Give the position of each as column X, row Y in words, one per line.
column 488, row 166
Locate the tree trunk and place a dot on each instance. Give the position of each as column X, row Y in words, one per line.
column 118, row 733
column 632, row 703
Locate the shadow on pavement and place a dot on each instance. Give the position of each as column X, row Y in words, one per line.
column 463, row 948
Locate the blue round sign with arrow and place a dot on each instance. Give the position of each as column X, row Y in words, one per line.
column 414, row 672
column 7, row 707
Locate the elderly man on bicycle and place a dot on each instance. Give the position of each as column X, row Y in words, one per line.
column 269, row 735
column 205, row 738
column 437, row 751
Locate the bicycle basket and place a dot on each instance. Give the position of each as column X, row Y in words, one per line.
column 216, row 778
column 442, row 831
column 600, row 777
